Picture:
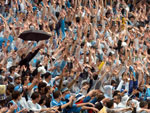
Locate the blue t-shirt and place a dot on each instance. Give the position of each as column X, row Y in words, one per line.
column 63, row 64
column 73, row 109
column 2, row 40
column 55, row 103
column 63, row 28
column 18, row 88
column 18, row 106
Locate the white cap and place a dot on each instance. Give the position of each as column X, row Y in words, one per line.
column 124, row 44
column 42, row 70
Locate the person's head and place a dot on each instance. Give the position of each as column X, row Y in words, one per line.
column 9, row 89
column 25, row 80
column 18, row 80
column 98, row 106
column 114, row 27
column 12, row 69
column 48, row 90
column 108, row 14
column 113, row 83
column 143, row 104
column 16, row 95
column 85, row 84
column 65, row 91
column 100, row 98
column 124, row 76
column 56, row 94
column 110, row 55
column 36, row 1
column 117, row 99
column 132, row 19
column 110, row 104
column 36, row 97
column 23, row 56
column 14, row 55
column 47, row 76
column 95, row 76
column 85, row 87
column 41, row 87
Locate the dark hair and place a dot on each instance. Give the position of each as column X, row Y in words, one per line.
column 118, row 97
column 113, row 82
column 110, row 103
column 35, row 72
column 77, row 19
column 41, row 85
column 69, row 23
column 23, row 56
column 82, row 44
column 46, row 75
column 10, row 88
column 63, row 7
column 31, row 78
column 35, row 95
column 57, row 14
column 56, row 94
column 107, row 13
column 148, row 104
column 148, row 51
column 92, row 69
column 23, row 79
column 100, row 98
column 95, row 77
column 12, row 68
column 143, row 104
column 116, row 93
column 99, row 106
column 15, row 95
column 88, row 34
column 47, row 88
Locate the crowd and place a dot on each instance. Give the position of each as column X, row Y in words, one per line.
column 97, row 59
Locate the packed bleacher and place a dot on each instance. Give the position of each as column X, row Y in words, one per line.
column 96, row 58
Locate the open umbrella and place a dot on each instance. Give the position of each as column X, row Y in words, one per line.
column 34, row 35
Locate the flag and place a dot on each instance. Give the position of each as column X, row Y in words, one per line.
column 101, row 65
column 2, row 89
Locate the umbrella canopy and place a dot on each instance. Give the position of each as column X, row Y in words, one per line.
column 34, row 35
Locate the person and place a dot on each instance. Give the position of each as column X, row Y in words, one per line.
column 97, row 58
column 33, row 104
column 16, row 96
column 117, row 101
column 143, row 105
column 17, row 83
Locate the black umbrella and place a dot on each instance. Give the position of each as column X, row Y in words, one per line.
column 34, row 35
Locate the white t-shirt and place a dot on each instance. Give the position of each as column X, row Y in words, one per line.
column 1, row 34
column 24, row 103
column 120, row 105
column 34, row 107
column 136, row 41
column 51, row 82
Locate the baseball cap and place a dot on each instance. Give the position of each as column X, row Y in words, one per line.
column 79, row 97
column 64, row 90
column 16, row 75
